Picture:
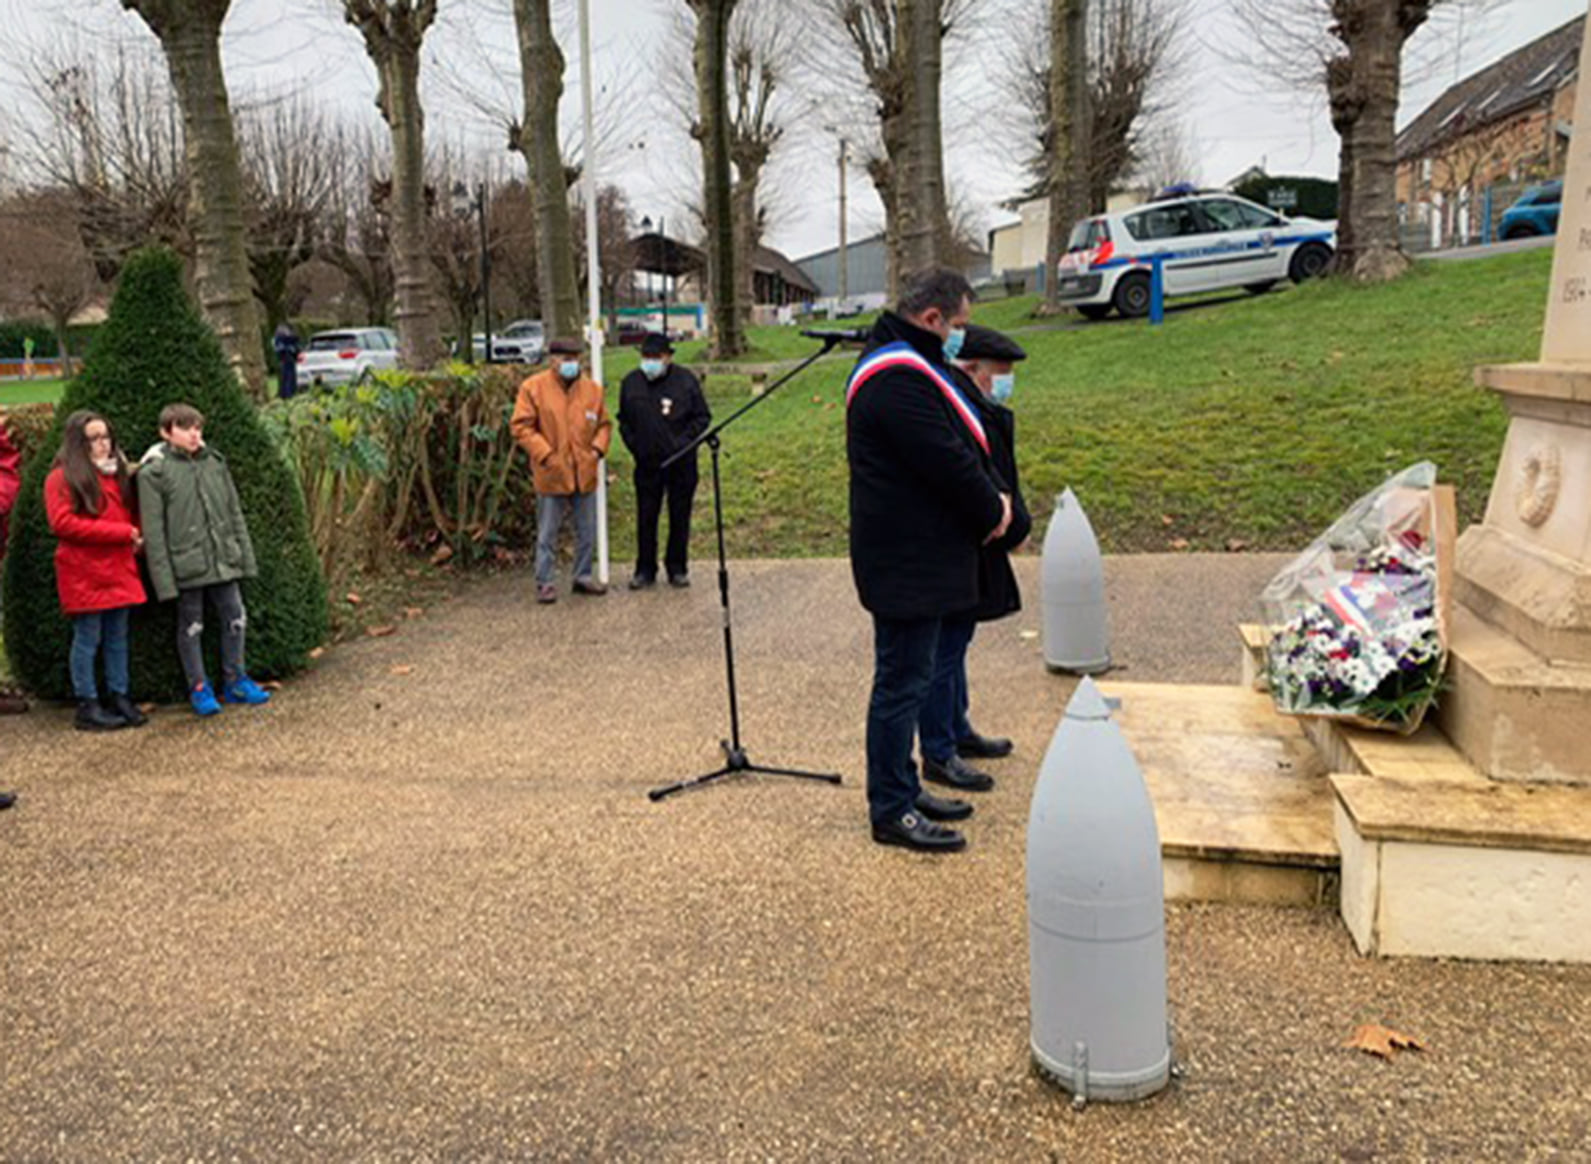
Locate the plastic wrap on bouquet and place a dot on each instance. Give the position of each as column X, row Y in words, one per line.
column 1356, row 622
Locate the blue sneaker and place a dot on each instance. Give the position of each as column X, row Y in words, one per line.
column 203, row 699
column 245, row 690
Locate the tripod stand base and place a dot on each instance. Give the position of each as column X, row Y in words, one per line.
column 735, row 762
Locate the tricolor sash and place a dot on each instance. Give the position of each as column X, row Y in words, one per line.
column 902, row 355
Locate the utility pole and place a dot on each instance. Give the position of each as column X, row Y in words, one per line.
column 844, row 274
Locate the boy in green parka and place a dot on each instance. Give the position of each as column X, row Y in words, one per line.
column 197, row 546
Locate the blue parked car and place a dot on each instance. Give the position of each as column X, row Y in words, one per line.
column 1536, row 212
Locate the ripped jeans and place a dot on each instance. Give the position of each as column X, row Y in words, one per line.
column 227, row 603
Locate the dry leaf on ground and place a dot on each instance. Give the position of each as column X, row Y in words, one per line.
column 403, row 668
column 1179, row 543
column 271, row 684
column 380, row 632
column 353, row 598
column 317, row 652
column 413, row 611
column 1375, row 1039
column 442, row 555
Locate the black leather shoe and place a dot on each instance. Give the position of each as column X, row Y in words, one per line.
column 91, row 717
column 958, row 774
column 642, row 581
column 911, row 831
column 127, row 709
column 942, row 807
column 7, row 799
column 976, row 747
column 680, row 581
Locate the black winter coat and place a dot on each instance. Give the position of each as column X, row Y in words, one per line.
column 998, row 593
column 659, row 417
column 923, row 495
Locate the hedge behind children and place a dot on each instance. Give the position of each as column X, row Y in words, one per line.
column 198, row 548
column 88, row 500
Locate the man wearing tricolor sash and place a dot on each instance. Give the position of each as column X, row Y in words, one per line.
column 924, row 498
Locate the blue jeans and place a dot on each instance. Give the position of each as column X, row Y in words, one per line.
column 105, row 629
column 903, row 667
column 550, row 511
column 944, row 719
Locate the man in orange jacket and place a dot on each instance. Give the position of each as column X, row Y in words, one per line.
column 561, row 422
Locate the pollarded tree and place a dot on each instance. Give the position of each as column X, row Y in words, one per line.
column 541, row 69
column 154, row 350
column 190, row 34
column 394, row 30
column 712, row 129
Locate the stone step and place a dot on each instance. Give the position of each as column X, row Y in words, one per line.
column 1241, row 799
column 1513, row 714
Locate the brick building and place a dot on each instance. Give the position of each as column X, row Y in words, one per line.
column 1473, row 149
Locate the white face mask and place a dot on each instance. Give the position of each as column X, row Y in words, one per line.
column 953, row 342
column 108, row 466
column 569, row 370
column 653, row 369
column 1002, row 385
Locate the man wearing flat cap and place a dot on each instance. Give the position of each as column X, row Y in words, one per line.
column 985, row 367
column 561, row 422
column 661, row 411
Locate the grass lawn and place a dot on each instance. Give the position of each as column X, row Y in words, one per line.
column 1253, row 422
column 14, row 392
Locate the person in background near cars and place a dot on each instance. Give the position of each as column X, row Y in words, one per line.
column 199, row 549
column 561, row 422
column 88, row 498
column 286, row 344
column 923, row 500
column 985, row 367
column 661, row 411
column 10, row 485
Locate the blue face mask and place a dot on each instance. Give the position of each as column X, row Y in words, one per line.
column 953, row 342
column 1001, row 386
column 653, row 369
column 569, row 370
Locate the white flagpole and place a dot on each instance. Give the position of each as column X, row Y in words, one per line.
column 593, row 273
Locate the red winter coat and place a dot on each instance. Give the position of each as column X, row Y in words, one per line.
column 96, row 567
column 10, row 481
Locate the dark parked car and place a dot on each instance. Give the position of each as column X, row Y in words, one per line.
column 1535, row 212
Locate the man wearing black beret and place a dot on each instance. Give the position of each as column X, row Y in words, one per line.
column 662, row 410
column 985, row 367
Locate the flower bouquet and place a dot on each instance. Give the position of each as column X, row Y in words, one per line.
column 1356, row 623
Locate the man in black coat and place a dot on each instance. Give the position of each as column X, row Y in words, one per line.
column 985, row 366
column 662, row 410
column 923, row 500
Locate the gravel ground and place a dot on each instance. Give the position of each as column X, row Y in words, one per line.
column 432, row 915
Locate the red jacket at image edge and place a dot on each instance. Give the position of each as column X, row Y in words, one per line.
column 10, row 481
column 96, row 567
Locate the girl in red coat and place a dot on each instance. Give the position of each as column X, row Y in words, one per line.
column 88, row 497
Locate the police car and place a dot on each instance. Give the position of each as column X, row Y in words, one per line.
column 1204, row 242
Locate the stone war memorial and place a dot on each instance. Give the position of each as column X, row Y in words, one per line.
column 1470, row 837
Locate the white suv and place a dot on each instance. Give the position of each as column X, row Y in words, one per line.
column 349, row 356
column 1208, row 242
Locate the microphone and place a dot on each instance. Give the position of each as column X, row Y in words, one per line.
column 855, row 335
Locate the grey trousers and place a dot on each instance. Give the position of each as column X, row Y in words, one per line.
column 550, row 511
column 227, row 603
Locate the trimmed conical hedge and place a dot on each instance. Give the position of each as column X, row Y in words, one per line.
column 155, row 350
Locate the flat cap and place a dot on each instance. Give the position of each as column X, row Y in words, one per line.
column 984, row 343
column 565, row 346
column 655, row 343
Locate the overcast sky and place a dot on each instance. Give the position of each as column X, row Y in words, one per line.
column 276, row 48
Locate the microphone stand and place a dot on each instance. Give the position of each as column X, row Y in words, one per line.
column 736, row 761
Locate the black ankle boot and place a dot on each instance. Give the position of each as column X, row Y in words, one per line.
column 127, row 709
column 91, row 717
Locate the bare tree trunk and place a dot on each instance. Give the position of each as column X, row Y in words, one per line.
column 1069, row 137
column 1377, row 255
column 924, row 230
column 394, row 31
column 190, row 34
column 748, row 236
column 541, row 70
column 712, row 61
